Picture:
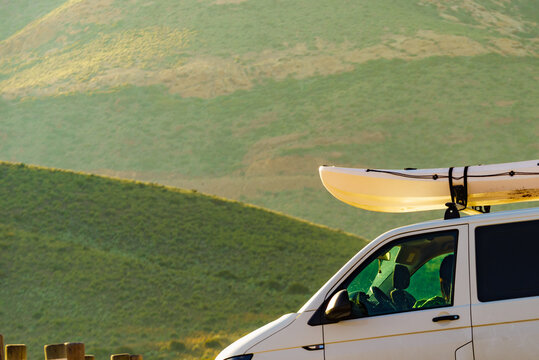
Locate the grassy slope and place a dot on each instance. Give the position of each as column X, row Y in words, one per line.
column 16, row 15
column 442, row 112
column 278, row 89
column 137, row 267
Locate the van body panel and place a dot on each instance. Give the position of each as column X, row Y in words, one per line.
column 295, row 353
column 412, row 334
column 465, row 352
column 297, row 341
column 507, row 328
column 503, row 329
column 241, row 345
column 413, row 337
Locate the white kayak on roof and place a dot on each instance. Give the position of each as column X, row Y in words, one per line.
column 430, row 189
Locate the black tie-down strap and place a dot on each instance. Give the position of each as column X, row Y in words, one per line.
column 459, row 193
column 459, row 196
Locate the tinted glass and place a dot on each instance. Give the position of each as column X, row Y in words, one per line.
column 506, row 257
column 409, row 274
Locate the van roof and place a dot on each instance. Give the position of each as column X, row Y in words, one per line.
column 520, row 214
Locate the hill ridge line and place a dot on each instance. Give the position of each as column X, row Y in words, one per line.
column 177, row 190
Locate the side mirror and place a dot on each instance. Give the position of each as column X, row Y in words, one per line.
column 339, row 307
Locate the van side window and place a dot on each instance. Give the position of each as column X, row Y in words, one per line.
column 409, row 274
column 506, row 260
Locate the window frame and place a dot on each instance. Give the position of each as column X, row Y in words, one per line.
column 318, row 317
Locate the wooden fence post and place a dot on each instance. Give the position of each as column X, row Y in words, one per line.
column 75, row 351
column 120, row 357
column 16, row 352
column 1, row 347
column 65, row 351
column 55, row 351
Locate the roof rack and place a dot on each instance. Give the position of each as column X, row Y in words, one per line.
column 452, row 211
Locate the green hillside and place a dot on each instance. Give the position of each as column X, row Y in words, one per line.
column 126, row 266
column 245, row 99
column 17, row 14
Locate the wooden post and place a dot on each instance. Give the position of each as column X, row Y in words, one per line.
column 120, row 357
column 1, row 347
column 55, row 351
column 136, row 357
column 67, row 351
column 74, row 351
column 16, row 352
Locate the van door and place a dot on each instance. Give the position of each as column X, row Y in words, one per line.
column 410, row 300
column 505, row 290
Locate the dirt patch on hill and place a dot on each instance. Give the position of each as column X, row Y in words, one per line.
column 482, row 17
column 428, row 43
column 121, row 59
column 264, row 158
column 507, row 46
column 211, row 76
column 204, row 77
column 207, row 77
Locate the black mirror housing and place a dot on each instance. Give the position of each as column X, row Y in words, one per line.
column 339, row 307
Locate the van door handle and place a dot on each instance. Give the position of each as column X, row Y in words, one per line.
column 446, row 317
column 314, row 347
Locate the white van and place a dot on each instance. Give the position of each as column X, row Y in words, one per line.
column 465, row 288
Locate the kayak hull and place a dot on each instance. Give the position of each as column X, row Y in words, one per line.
column 428, row 189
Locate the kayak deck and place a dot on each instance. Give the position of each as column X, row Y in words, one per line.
column 430, row 189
